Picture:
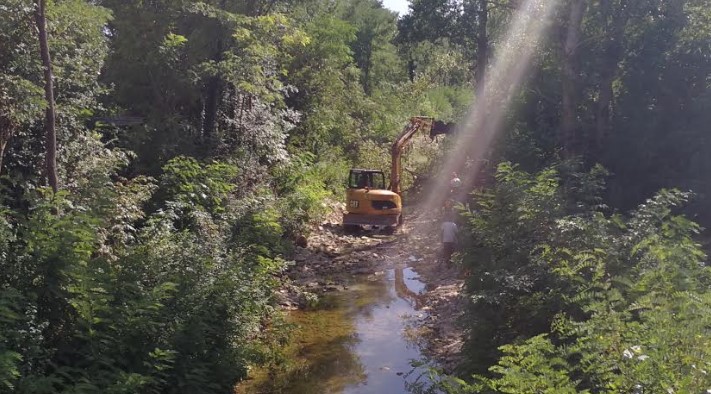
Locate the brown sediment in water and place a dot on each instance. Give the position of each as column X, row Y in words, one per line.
column 368, row 302
column 354, row 341
column 317, row 357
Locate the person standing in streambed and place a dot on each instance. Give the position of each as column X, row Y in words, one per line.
column 449, row 238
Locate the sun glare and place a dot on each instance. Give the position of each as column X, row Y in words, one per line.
column 509, row 69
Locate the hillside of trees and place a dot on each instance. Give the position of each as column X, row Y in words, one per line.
column 158, row 158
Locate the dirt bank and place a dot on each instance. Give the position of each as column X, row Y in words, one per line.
column 331, row 256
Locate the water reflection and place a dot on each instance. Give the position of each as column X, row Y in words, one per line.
column 384, row 349
column 354, row 342
column 408, row 287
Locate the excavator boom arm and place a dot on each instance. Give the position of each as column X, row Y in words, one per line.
column 405, row 136
column 417, row 123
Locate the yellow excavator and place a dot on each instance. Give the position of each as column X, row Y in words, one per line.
column 368, row 202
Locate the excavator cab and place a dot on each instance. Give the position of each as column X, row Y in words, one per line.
column 362, row 179
column 368, row 202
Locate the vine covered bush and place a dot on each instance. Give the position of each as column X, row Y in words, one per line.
column 172, row 301
column 566, row 297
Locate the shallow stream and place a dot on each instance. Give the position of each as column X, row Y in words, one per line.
column 360, row 340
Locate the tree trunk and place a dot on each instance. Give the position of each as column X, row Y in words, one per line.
column 604, row 101
column 482, row 42
column 212, row 94
column 366, row 66
column 213, row 90
column 570, row 75
column 7, row 129
column 50, row 117
column 3, row 144
column 411, row 70
column 614, row 26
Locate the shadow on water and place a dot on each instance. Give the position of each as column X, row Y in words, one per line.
column 355, row 341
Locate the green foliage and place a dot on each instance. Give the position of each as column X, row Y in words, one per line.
column 373, row 51
column 440, row 63
column 535, row 368
column 77, row 47
column 221, row 69
column 447, row 103
column 374, row 156
column 262, row 231
column 9, row 360
column 196, row 185
column 511, row 296
column 21, row 96
column 259, row 53
column 78, row 50
column 93, row 303
column 329, row 95
column 577, row 301
column 302, row 185
column 152, row 270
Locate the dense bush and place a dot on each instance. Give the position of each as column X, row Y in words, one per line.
column 175, row 307
column 303, row 187
column 194, row 141
column 566, row 297
column 151, row 270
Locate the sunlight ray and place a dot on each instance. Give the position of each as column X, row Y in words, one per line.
column 509, row 69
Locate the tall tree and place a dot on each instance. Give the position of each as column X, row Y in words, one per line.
column 7, row 123
column 613, row 16
column 569, row 127
column 429, row 20
column 205, row 77
column 50, row 114
column 373, row 49
column 482, row 41
column 213, row 86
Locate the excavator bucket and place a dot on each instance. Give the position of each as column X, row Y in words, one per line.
column 439, row 127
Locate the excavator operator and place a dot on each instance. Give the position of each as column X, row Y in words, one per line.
column 363, row 181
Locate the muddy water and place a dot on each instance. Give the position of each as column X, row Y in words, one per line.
column 361, row 340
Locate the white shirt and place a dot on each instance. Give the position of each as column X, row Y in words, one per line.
column 455, row 183
column 449, row 232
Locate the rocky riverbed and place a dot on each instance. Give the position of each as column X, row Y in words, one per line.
column 330, row 257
